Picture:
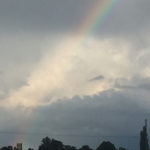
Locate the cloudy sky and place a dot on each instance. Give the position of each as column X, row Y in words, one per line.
column 75, row 70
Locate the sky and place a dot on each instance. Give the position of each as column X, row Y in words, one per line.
column 74, row 70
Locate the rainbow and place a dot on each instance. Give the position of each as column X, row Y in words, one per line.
column 99, row 12
column 95, row 18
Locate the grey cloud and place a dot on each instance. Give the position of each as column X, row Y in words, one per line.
column 89, row 120
column 109, row 113
column 130, row 17
column 100, row 77
column 19, row 54
column 42, row 15
column 21, row 47
column 135, row 83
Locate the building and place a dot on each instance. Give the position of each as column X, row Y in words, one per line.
column 19, row 146
column 144, row 138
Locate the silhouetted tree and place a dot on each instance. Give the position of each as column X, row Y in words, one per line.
column 121, row 148
column 15, row 148
column 30, row 149
column 85, row 147
column 106, row 146
column 7, row 148
column 45, row 144
column 68, row 147
column 56, row 145
column 48, row 144
column 4, row 148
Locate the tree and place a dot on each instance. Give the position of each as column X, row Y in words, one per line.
column 121, row 148
column 85, row 147
column 46, row 140
column 48, row 144
column 106, row 145
column 15, row 148
column 7, row 148
column 45, row 144
column 56, row 145
column 68, row 147
column 30, row 149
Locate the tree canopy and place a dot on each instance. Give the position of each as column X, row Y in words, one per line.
column 51, row 144
column 106, row 145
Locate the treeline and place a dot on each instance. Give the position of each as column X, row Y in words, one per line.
column 52, row 144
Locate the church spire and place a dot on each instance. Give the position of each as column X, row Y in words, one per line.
column 146, row 123
column 144, row 138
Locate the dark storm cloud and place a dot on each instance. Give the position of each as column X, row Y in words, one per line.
column 91, row 120
column 107, row 116
column 92, row 116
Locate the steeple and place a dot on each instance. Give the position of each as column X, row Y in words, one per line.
column 146, row 123
column 144, row 138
